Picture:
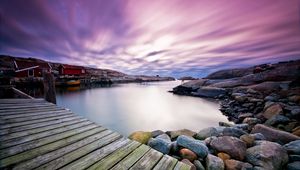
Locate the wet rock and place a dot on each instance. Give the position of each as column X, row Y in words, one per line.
column 140, row 136
column 160, row 145
column 198, row 165
column 207, row 132
column 293, row 147
column 251, row 121
column 268, row 104
column 248, row 139
column 244, row 115
column 211, row 92
column 294, row 166
column 294, row 98
column 174, row 134
column 164, row 137
column 156, row 133
column 296, row 132
column 187, row 154
column 214, row 163
column 243, row 126
column 272, row 98
column 232, row 164
column 194, row 145
column 233, row 146
column 223, row 156
column 274, row 109
column 277, row 119
column 267, row 155
column 274, row 135
column 230, row 131
column 186, row 161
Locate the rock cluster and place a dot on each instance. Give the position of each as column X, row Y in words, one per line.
column 214, row 148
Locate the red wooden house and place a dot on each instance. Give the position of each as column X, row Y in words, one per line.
column 71, row 70
column 31, row 68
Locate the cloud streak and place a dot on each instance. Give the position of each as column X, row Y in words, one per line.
column 152, row 37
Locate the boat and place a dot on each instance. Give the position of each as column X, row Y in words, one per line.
column 73, row 83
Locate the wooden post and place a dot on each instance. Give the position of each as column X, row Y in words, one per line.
column 49, row 88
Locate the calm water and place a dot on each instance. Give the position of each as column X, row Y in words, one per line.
column 148, row 106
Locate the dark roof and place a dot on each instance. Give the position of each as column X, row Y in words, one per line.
column 21, row 64
column 71, row 66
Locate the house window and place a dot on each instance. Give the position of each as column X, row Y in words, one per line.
column 30, row 73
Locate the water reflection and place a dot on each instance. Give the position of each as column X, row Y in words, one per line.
column 148, row 106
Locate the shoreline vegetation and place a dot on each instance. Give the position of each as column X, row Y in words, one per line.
column 263, row 103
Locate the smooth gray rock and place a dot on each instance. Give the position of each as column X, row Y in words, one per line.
column 160, row 145
column 277, row 119
column 214, row 163
column 194, row 145
column 207, row 91
column 274, row 135
column 164, row 137
column 293, row 147
column 293, row 158
column 155, row 133
column 267, row 155
column 207, row 132
column 258, row 136
column 231, row 131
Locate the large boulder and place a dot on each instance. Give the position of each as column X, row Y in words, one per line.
column 164, row 137
column 214, row 163
column 140, row 136
column 267, row 155
column 293, row 147
column 194, row 145
column 211, row 92
column 274, row 109
column 233, row 146
column 274, row 135
column 160, row 145
column 175, row 133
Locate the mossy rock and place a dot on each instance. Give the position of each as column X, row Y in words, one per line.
column 140, row 136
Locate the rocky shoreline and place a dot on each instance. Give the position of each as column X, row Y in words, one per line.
column 263, row 102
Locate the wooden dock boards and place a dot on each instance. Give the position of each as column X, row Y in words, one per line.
column 35, row 134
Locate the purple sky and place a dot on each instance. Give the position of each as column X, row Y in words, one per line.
column 166, row 37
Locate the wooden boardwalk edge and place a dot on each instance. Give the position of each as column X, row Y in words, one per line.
column 36, row 134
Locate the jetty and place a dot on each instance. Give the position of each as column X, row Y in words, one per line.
column 36, row 134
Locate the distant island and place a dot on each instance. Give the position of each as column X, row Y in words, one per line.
column 16, row 70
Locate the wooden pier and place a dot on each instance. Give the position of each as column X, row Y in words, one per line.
column 35, row 134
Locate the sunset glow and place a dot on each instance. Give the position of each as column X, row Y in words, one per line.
column 174, row 37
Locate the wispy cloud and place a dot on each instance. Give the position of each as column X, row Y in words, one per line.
column 152, row 37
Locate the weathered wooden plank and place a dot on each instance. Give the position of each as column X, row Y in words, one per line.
column 166, row 163
column 16, row 141
column 148, row 161
column 17, row 105
column 132, row 158
column 37, row 130
column 37, row 125
column 30, row 118
column 115, row 157
column 34, row 121
column 22, row 100
column 40, row 160
column 182, row 166
column 89, row 159
column 75, row 155
column 37, row 143
column 31, row 114
column 9, row 161
column 23, row 111
column 5, row 108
